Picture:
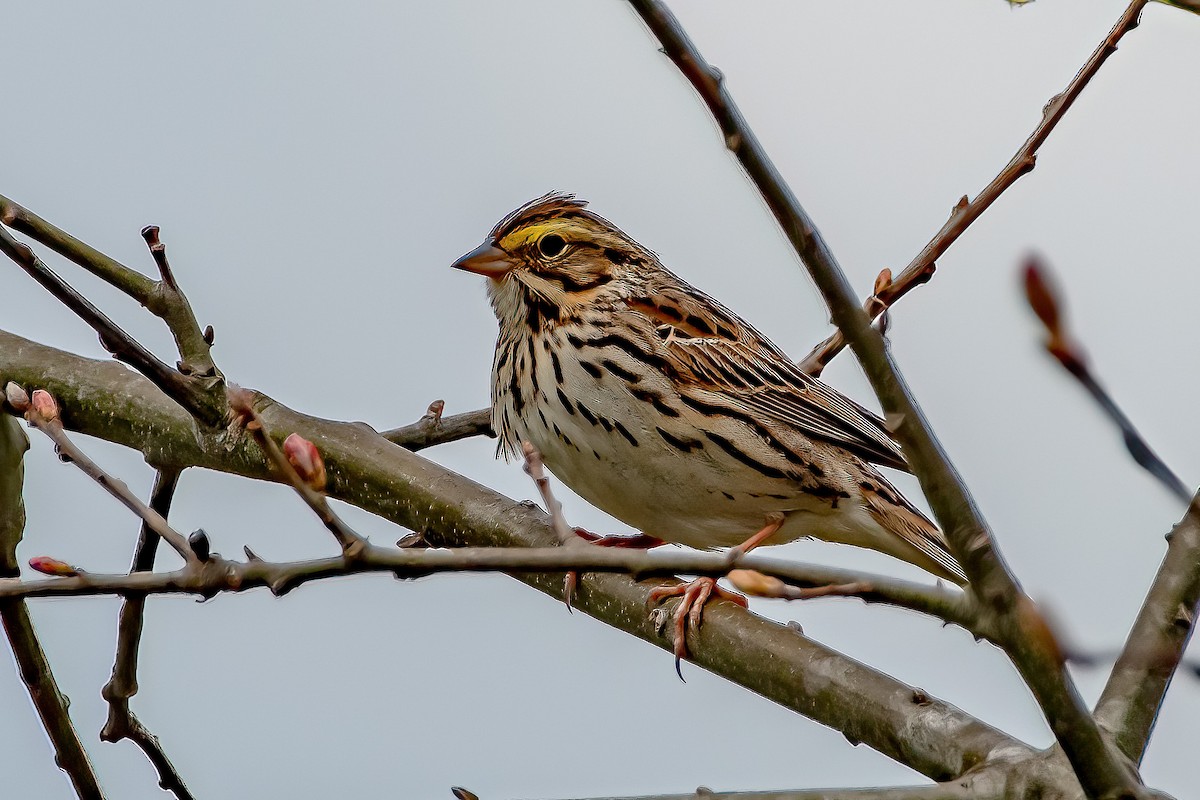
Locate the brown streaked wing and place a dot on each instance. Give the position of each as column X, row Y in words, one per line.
column 724, row 354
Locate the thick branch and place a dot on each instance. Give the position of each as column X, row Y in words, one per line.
column 1025, row 636
column 1129, row 705
column 35, row 671
column 921, row 268
column 108, row 401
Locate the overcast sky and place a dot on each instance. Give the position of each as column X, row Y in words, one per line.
column 333, row 159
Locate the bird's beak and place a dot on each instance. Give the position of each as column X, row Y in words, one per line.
column 487, row 260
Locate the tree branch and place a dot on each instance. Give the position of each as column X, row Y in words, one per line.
column 52, row 427
column 428, row 431
column 1024, row 635
column 163, row 298
column 921, row 268
column 122, row 723
column 31, row 660
column 193, row 392
column 108, row 401
column 1129, row 705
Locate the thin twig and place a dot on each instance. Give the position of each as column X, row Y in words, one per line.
column 1044, row 299
column 1023, row 634
column 34, row 667
column 122, row 723
column 280, row 577
column 966, row 211
column 241, row 402
column 116, row 487
column 425, row 432
column 163, row 298
column 192, row 392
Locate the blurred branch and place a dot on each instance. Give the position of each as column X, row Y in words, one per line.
column 945, row 791
column 1187, row 5
column 109, row 401
column 921, row 268
column 122, row 723
column 434, row 429
column 1044, row 299
column 1129, row 705
column 31, row 660
column 1023, row 634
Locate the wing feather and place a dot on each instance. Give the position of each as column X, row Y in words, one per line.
column 720, row 352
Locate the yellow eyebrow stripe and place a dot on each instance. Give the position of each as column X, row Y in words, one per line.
column 566, row 228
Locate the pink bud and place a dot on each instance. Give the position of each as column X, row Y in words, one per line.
column 52, row 566
column 44, row 405
column 306, row 459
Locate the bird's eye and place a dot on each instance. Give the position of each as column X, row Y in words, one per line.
column 552, row 245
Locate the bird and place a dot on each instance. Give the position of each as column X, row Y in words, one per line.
column 666, row 410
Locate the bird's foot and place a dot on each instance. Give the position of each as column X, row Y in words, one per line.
column 690, row 609
column 639, row 541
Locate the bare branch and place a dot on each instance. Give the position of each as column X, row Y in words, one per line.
column 69, row 452
column 1129, row 705
column 122, row 723
column 966, row 211
column 192, row 392
column 1023, row 634
column 108, row 401
column 31, row 659
column 162, row 298
column 425, row 432
column 947, row 605
column 242, row 402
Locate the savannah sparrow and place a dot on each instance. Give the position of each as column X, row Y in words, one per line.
column 667, row 410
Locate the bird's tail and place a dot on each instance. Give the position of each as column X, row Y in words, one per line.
column 889, row 508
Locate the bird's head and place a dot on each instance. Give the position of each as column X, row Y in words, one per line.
column 552, row 259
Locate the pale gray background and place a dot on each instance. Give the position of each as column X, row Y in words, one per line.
column 316, row 168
